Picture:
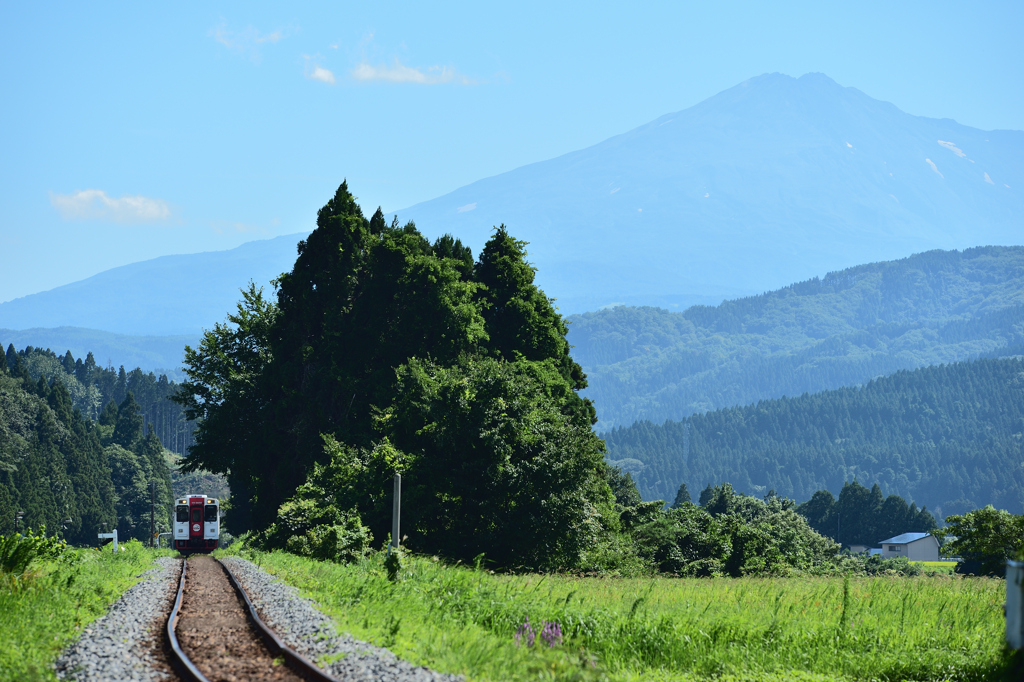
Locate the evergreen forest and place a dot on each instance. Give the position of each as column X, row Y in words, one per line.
column 948, row 437
column 73, row 475
column 841, row 330
column 384, row 353
column 92, row 387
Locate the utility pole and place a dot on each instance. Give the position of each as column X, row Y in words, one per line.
column 152, row 512
column 396, row 513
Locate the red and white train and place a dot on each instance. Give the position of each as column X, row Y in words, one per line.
column 196, row 524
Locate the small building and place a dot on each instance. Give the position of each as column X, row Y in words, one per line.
column 858, row 549
column 914, row 546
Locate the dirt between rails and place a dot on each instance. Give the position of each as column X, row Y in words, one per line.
column 215, row 632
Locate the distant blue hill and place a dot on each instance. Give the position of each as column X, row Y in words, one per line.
column 170, row 295
column 776, row 180
column 161, row 354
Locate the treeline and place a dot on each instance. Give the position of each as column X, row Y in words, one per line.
column 947, row 436
column 73, row 475
column 842, row 330
column 864, row 517
column 92, row 387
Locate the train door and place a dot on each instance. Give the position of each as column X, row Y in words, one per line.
column 211, row 521
column 195, row 521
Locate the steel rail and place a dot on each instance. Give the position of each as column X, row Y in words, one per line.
column 185, row 667
column 294, row 659
column 188, row 670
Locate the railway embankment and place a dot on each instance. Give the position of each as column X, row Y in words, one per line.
column 313, row 634
column 124, row 643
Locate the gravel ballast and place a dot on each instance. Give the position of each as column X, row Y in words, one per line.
column 314, row 635
column 118, row 646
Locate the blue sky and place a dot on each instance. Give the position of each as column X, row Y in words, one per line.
column 130, row 131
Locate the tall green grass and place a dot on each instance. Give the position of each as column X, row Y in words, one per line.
column 45, row 607
column 460, row 619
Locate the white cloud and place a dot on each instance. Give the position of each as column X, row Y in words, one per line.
column 988, row 179
column 94, row 204
column 849, row 145
column 951, row 146
column 321, row 74
column 400, row 73
column 467, row 207
column 934, row 167
column 248, row 41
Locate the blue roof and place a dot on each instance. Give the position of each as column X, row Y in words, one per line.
column 905, row 539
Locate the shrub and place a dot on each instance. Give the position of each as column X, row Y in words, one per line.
column 18, row 552
column 897, row 565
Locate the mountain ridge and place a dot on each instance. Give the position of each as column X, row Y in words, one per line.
column 823, row 333
column 679, row 245
column 770, row 182
column 179, row 294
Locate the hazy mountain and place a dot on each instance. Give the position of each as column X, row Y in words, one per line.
column 773, row 181
column 847, row 328
column 170, row 295
column 160, row 354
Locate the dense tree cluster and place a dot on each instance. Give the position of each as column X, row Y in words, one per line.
column 984, row 539
column 841, row 330
column 92, row 387
column 727, row 534
column 71, row 474
column 387, row 353
column 862, row 517
column 947, row 436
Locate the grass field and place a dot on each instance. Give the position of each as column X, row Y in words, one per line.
column 936, row 566
column 459, row 619
column 42, row 612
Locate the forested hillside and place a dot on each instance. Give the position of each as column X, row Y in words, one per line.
column 92, row 387
column 74, row 475
column 950, row 437
column 845, row 329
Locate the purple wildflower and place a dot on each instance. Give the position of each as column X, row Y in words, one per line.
column 551, row 633
column 525, row 634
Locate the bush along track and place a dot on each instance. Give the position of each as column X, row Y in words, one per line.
column 465, row 620
column 54, row 597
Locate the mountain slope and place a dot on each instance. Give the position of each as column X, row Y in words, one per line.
column 773, row 181
column 170, row 295
column 851, row 326
column 160, row 354
column 949, row 437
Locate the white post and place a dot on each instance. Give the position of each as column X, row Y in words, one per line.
column 1014, row 604
column 112, row 536
column 396, row 513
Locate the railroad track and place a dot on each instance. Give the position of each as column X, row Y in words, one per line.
column 215, row 633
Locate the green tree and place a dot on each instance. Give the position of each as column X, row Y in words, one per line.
column 984, row 538
column 682, row 496
column 399, row 351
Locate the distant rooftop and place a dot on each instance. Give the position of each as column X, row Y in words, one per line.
column 905, row 539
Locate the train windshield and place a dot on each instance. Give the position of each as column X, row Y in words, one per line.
column 197, row 514
column 182, row 511
column 211, row 513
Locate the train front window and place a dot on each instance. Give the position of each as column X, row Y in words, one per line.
column 211, row 513
column 197, row 514
column 182, row 511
